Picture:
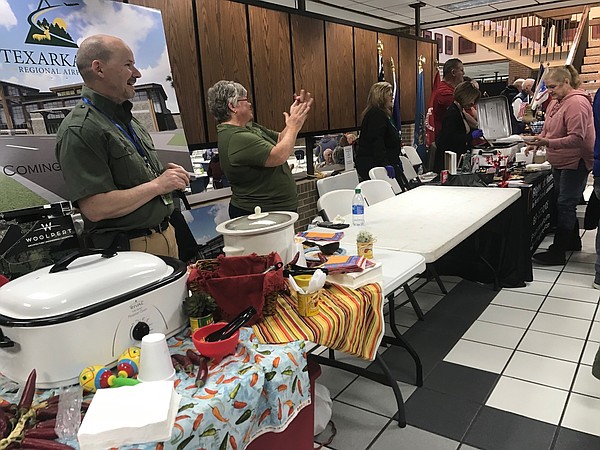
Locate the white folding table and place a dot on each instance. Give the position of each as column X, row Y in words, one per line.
column 398, row 268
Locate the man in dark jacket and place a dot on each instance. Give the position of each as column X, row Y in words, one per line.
column 511, row 92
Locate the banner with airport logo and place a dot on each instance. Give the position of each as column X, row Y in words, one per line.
column 40, row 84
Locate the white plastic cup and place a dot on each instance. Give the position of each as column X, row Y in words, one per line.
column 155, row 359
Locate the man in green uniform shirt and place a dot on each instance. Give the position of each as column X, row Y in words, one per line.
column 108, row 160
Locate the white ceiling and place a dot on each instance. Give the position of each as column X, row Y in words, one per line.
column 397, row 14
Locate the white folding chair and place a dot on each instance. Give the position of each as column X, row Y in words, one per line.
column 336, row 203
column 379, row 173
column 344, row 180
column 411, row 153
column 409, row 170
column 375, row 191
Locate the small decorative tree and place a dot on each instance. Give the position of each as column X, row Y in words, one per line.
column 199, row 307
column 365, row 236
column 364, row 243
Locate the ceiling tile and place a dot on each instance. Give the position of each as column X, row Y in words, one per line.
column 347, row 3
column 357, row 17
column 515, row 5
column 479, row 10
column 387, row 3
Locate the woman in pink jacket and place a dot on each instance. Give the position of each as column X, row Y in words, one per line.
column 568, row 136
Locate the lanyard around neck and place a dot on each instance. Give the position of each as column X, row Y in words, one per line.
column 131, row 136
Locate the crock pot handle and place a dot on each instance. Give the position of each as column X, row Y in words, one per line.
column 63, row 263
column 5, row 341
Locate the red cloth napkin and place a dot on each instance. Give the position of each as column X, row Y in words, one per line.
column 238, row 283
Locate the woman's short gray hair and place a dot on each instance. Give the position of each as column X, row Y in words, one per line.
column 221, row 95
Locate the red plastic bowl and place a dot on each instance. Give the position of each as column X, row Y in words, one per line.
column 214, row 350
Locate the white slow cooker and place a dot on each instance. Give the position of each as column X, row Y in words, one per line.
column 87, row 311
column 260, row 233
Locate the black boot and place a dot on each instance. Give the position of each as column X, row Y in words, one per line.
column 573, row 240
column 555, row 255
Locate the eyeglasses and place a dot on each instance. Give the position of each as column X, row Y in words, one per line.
column 242, row 99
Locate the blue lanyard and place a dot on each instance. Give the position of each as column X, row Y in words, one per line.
column 132, row 136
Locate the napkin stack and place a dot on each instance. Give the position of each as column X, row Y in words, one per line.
column 129, row 415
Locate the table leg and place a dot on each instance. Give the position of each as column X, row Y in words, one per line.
column 386, row 378
column 413, row 301
column 437, row 278
column 397, row 393
column 400, row 341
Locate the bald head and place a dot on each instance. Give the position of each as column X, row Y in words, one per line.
column 107, row 66
column 97, row 47
column 528, row 86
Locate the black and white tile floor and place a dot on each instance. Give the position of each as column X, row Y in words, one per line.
column 506, row 370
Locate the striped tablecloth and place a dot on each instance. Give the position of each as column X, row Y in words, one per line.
column 350, row 320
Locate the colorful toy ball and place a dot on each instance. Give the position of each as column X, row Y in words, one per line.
column 129, row 362
column 93, row 378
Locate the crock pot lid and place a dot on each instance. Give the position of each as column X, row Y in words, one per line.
column 87, row 281
column 246, row 223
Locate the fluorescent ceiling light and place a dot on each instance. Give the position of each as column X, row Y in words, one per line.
column 466, row 4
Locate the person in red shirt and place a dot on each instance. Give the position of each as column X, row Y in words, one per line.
column 443, row 97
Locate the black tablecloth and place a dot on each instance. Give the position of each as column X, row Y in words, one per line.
column 506, row 242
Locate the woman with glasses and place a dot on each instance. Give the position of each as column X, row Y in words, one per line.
column 455, row 135
column 568, row 136
column 254, row 158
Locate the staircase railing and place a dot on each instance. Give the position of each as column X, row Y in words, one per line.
column 544, row 38
column 577, row 51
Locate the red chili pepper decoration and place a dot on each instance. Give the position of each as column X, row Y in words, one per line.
column 28, row 392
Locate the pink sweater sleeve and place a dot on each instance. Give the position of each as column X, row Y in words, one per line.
column 576, row 118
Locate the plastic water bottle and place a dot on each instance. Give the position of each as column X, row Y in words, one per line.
column 358, row 209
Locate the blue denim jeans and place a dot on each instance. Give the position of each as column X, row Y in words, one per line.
column 597, row 192
column 569, row 185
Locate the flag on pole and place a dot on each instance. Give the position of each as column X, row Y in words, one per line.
column 396, row 93
column 419, row 137
column 429, row 121
column 541, row 92
column 380, row 74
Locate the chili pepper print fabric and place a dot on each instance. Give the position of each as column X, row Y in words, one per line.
column 261, row 388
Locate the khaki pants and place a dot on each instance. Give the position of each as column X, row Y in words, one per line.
column 161, row 244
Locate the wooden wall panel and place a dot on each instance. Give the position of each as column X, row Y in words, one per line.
column 271, row 65
column 179, row 32
column 340, row 75
column 224, row 54
column 424, row 48
column 408, row 78
column 308, row 54
column 365, row 66
column 390, row 50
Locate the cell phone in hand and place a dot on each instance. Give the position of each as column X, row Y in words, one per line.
column 335, row 226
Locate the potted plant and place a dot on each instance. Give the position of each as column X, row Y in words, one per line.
column 364, row 243
column 199, row 307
